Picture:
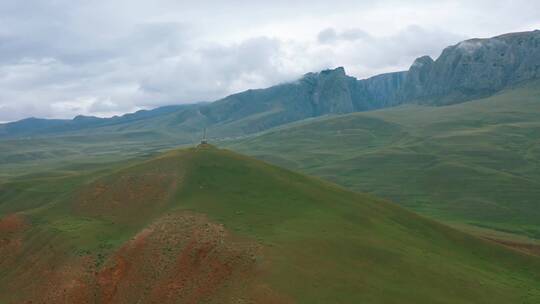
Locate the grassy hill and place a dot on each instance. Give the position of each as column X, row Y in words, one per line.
column 211, row 226
column 476, row 163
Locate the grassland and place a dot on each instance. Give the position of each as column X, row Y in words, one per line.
column 476, row 163
column 296, row 238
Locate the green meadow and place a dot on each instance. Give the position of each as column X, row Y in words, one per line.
column 321, row 243
column 475, row 163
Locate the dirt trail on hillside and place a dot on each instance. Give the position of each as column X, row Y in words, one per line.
column 529, row 248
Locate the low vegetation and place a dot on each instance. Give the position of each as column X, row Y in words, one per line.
column 225, row 228
column 476, row 163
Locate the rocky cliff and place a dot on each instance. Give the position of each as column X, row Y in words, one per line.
column 473, row 68
column 468, row 70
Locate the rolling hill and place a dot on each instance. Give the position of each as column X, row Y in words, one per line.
column 205, row 225
column 475, row 163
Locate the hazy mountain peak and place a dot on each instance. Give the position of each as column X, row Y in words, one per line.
column 336, row 71
column 421, row 61
column 85, row 117
column 339, row 72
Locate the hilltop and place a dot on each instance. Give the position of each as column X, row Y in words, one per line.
column 205, row 225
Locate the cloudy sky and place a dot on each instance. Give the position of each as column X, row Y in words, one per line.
column 60, row 58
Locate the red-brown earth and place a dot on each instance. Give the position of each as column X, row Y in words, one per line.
column 180, row 258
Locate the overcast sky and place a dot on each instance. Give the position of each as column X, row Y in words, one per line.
column 61, row 58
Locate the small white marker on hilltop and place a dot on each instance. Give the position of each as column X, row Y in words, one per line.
column 204, row 140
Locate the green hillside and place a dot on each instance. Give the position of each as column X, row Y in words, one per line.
column 476, row 163
column 211, row 226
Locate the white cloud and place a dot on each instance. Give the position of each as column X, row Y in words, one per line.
column 63, row 58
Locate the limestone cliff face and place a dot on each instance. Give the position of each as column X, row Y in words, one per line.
column 473, row 68
column 415, row 79
column 330, row 91
column 379, row 91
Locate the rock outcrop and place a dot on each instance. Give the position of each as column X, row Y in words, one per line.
column 473, row 68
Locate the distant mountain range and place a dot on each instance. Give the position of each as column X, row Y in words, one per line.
column 468, row 70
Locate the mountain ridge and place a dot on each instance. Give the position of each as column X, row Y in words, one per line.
column 470, row 69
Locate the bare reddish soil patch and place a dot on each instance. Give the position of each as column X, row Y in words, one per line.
column 180, row 258
column 12, row 228
column 70, row 281
column 41, row 270
column 12, row 223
